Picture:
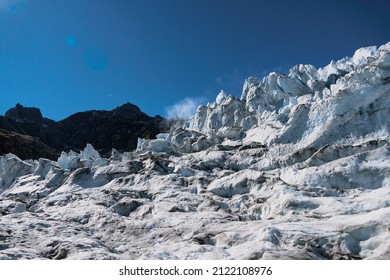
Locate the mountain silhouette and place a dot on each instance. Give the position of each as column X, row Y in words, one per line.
column 26, row 133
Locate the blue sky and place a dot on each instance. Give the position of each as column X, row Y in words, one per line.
column 65, row 56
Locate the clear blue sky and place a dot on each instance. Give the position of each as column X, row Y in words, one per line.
column 65, row 56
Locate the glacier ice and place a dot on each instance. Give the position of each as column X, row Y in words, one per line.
column 298, row 167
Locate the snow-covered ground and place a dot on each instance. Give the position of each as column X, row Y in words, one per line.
column 297, row 168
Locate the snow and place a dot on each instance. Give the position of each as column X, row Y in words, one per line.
column 221, row 97
column 362, row 56
column 297, row 168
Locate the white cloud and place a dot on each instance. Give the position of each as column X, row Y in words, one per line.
column 184, row 109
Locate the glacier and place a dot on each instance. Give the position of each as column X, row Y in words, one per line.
column 298, row 167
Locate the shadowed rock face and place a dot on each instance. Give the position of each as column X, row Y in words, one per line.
column 24, row 146
column 25, row 114
column 105, row 130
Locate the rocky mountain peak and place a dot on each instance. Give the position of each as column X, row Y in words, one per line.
column 128, row 109
column 105, row 130
column 25, row 114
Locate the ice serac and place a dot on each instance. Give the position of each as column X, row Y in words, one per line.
column 89, row 157
column 298, row 167
column 307, row 107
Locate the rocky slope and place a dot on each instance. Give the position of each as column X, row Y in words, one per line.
column 119, row 129
column 24, row 146
column 297, row 168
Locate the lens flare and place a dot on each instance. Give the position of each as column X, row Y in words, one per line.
column 12, row 5
column 71, row 41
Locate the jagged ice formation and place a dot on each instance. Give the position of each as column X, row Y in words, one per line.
column 297, row 168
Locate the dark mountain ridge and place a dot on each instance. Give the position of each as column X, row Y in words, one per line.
column 106, row 130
